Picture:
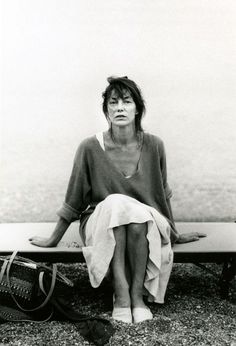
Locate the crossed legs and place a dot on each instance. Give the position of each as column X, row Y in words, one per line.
column 131, row 254
column 118, row 267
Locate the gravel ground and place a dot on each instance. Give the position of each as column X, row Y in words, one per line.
column 193, row 314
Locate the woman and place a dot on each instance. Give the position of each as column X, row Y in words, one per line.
column 118, row 189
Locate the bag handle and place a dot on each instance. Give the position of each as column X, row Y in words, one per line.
column 19, row 258
column 48, row 296
column 4, row 266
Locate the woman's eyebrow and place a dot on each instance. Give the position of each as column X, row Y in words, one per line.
column 124, row 97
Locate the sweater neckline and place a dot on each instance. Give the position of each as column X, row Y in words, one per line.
column 112, row 164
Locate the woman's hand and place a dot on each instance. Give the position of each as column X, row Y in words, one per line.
column 188, row 237
column 54, row 238
column 42, row 242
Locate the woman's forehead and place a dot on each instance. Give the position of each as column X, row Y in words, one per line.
column 121, row 94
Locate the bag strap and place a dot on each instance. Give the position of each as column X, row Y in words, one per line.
column 4, row 266
column 19, row 258
column 53, row 282
column 48, row 295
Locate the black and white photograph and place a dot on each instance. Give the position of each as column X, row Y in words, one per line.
column 118, row 172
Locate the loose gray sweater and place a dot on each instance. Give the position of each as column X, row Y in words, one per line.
column 94, row 177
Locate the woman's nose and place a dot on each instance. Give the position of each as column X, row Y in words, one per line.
column 120, row 105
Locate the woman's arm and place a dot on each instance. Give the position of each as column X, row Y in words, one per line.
column 181, row 237
column 55, row 237
column 76, row 200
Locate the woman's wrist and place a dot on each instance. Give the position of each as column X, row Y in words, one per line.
column 52, row 242
column 60, row 229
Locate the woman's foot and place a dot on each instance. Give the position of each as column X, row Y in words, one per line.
column 122, row 314
column 122, row 310
column 140, row 311
column 141, row 314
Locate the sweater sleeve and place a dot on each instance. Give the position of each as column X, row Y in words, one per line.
column 78, row 194
column 168, row 194
column 168, row 191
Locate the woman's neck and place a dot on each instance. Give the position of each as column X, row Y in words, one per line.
column 123, row 135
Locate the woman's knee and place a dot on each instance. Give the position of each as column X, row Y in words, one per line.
column 119, row 232
column 137, row 230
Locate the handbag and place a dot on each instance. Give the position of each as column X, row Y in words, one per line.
column 29, row 287
column 31, row 291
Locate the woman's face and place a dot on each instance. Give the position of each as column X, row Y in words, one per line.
column 121, row 111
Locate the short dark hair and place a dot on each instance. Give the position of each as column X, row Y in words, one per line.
column 121, row 85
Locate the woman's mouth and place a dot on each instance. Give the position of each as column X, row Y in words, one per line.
column 120, row 116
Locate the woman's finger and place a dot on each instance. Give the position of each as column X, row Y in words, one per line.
column 194, row 238
column 200, row 235
column 32, row 238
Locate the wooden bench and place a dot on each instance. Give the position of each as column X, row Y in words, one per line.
column 218, row 247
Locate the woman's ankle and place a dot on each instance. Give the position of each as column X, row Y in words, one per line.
column 137, row 300
column 121, row 300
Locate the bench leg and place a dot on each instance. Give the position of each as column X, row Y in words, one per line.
column 228, row 273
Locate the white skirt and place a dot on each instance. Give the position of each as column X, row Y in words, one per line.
column 117, row 210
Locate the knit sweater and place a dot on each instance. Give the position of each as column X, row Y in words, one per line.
column 94, row 177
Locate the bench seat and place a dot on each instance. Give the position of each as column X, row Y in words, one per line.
column 219, row 243
column 218, row 247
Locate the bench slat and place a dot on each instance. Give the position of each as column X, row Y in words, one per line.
column 219, row 244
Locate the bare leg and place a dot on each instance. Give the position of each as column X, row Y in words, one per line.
column 137, row 250
column 120, row 283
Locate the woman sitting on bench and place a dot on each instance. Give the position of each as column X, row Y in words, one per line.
column 118, row 190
